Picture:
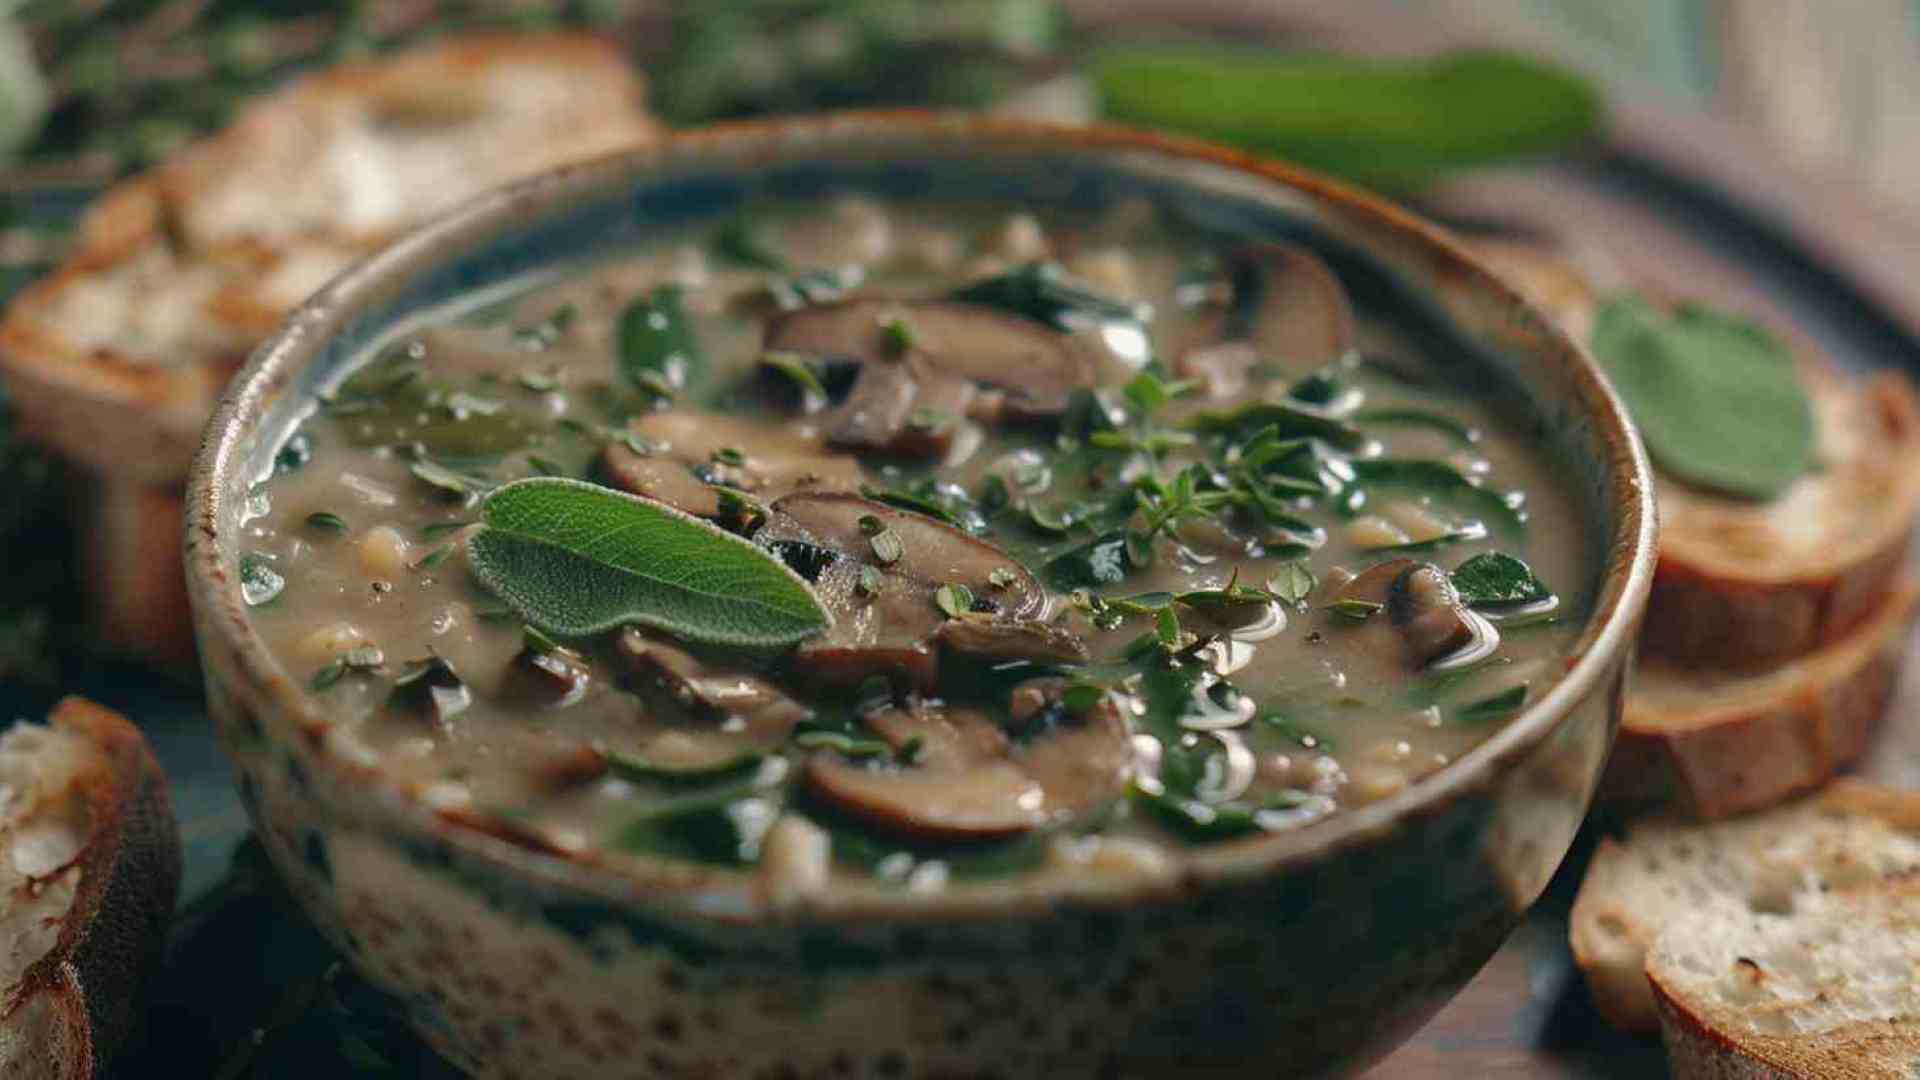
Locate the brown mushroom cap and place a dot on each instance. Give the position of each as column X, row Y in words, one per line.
column 1287, row 308
column 1418, row 601
column 683, row 469
column 894, row 630
column 960, row 361
column 969, row 782
column 734, row 712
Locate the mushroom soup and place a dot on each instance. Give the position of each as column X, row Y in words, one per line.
column 913, row 542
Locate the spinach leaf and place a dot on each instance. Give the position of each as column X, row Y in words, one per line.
column 1042, row 292
column 1494, row 579
column 1101, row 561
column 1499, row 509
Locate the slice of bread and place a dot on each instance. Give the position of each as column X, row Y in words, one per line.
column 1830, row 991
column 1716, row 743
column 86, row 889
column 1750, row 585
column 1850, row 834
column 115, row 359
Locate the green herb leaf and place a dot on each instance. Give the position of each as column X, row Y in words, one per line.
column 798, row 370
column 887, row 546
column 841, row 742
column 1102, row 561
column 1293, row 583
column 326, row 521
column 897, row 336
column 1717, row 399
column 1166, row 627
column 1042, row 292
column 455, row 484
column 1288, row 419
column 1498, row 509
column 633, row 766
column 1421, row 418
column 1395, row 123
column 748, row 244
column 1352, row 608
column 1494, row 579
column 1496, row 707
column 657, row 343
column 260, row 583
column 953, row 599
column 577, row 559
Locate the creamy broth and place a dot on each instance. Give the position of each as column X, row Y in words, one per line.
column 1074, row 607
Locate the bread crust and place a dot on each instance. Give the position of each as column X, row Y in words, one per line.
column 1704, row 1039
column 1761, row 739
column 1722, row 598
column 1711, row 608
column 1614, row 923
column 90, row 983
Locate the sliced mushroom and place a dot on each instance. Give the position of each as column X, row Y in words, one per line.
column 691, row 452
column 1286, row 308
column 938, row 358
column 885, row 619
column 738, row 704
column 996, row 637
column 969, row 782
column 1418, row 600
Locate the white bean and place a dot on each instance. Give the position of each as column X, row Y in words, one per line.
column 383, row 552
column 796, row 858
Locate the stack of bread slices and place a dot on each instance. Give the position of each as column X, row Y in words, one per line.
column 1762, row 914
column 115, row 359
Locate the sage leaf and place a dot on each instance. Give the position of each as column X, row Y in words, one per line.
column 260, row 583
column 1500, row 509
column 1287, row 420
column 657, row 343
column 575, row 558
column 1393, row 123
column 1717, row 399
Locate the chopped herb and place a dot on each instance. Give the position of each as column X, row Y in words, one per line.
column 897, row 336
column 911, row 750
column 924, row 419
column 1288, row 419
column 432, row 558
column 748, row 244
column 545, row 466
column 447, row 480
column 1049, row 519
column 326, row 521
column 1042, row 292
column 799, row 371
column 870, row 525
column 1001, row 578
column 1497, row 707
column 1080, row 698
column 953, row 599
column 1166, row 627
column 438, row 529
column 729, row 455
column 1102, row 561
column 294, row 453
column 260, row 583
column 841, row 742
column 738, row 509
column 658, row 351
column 431, row 685
column 539, row 381
column 1354, row 608
column 640, row 445
column 1433, row 421
column 358, row 658
column 632, row 766
column 870, row 582
column 887, row 546
column 1293, row 583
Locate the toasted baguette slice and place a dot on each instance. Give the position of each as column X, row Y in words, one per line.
column 85, row 895
column 116, row 359
column 1751, row 585
column 365, row 150
column 1716, row 743
column 1830, row 991
column 1850, row 834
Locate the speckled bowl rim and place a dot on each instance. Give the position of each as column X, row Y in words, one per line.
column 727, row 896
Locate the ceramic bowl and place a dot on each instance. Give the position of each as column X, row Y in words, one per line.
column 1310, row 951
